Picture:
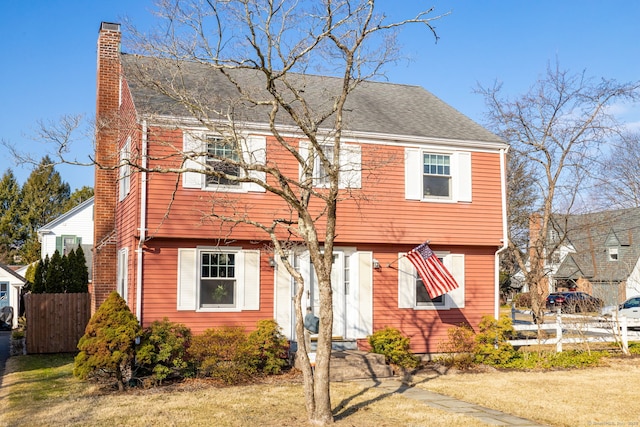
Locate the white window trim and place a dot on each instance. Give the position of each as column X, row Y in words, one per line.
column 124, row 170
column 460, row 164
column 407, row 283
column 247, row 275
column 253, row 149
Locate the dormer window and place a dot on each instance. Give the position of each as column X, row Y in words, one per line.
column 613, row 254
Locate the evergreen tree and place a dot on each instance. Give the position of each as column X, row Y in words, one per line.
column 11, row 230
column 78, row 271
column 54, row 278
column 78, row 196
column 108, row 345
column 39, row 276
column 44, row 197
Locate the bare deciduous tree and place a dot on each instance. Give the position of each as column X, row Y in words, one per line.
column 556, row 130
column 618, row 182
column 264, row 50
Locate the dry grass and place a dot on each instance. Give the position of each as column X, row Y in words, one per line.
column 50, row 396
column 605, row 395
column 43, row 396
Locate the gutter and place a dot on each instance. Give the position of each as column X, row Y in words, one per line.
column 143, row 222
column 505, row 229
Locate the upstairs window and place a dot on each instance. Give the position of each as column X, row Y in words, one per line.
column 436, row 179
column 613, row 254
column 124, row 170
column 219, row 150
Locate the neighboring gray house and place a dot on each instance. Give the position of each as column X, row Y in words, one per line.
column 68, row 231
column 600, row 254
column 11, row 284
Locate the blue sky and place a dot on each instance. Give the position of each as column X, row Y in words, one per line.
column 48, row 56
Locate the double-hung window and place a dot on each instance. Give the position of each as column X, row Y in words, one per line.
column 124, row 170
column 222, row 157
column 413, row 294
column 436, row 175
column 217, row 279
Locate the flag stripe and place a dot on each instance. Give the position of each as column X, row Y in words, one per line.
column 435, row 276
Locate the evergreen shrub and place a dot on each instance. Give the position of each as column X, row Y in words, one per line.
column 395, row 347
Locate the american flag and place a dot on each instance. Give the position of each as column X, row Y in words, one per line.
column 434, row 274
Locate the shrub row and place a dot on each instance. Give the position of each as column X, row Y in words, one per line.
column 168, row 350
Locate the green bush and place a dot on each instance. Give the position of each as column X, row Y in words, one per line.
column 163, row 350
column 493, row 347
column 272, row 347
column 224, row 354
column 460, row 347
column 395, row 347
column 107, row 346
column 522, row 300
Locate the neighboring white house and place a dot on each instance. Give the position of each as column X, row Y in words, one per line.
column 11, row 284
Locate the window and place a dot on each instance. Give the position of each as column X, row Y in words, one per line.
column 4, row 293
column 437, row 177
column 202, row 151
column 217, row 279
column 219, row 152
column 423, row 298
column 124, row 171
column 412, row 293
column 350, row 174
column 613, row 254
column 67, row 243
column 436, row 180
column 123, row 273
column 555, row 257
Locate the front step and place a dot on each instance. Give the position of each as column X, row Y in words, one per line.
column 348, row 365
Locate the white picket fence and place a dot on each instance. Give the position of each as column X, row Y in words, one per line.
column 579, row 329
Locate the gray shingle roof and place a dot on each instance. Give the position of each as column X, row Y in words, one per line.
column 375, row 107
column 592, row 235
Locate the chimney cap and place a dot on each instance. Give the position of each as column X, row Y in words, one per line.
column 109, row 26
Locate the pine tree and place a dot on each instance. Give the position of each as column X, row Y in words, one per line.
column 78, row 271
column 44, row 197
column 78, row 196
column 11, row 230
column 39, row 276
column 54, row 278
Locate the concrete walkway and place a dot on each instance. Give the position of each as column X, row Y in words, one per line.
column 447, row 403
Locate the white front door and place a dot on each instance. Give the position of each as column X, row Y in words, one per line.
column 339, row 294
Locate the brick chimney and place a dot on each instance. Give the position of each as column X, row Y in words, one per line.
column 106, row 156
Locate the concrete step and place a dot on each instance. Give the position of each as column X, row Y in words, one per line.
column 352, row 364
column 348, row 365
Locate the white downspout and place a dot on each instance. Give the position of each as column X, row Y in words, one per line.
column 505, row 233
column 143, row 222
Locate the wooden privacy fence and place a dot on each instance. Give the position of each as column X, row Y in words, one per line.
column 56, row 322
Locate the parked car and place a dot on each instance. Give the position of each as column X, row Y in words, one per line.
column 573, row 302
column 630, row 308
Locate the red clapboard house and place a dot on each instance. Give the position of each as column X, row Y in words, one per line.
column 441, row 179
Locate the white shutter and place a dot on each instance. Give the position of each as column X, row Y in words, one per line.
column 406, row 282
column 462, row 176
column 455, row 265
column 283, row 299
column 412, row 174
column 350, row 166
column 192, row 143
column 365, row 293
column 303, row 151
column 187, row 278
column 251, row 280
column 255, row 152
